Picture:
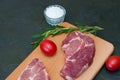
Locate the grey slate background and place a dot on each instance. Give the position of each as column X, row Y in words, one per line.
column 20, row 19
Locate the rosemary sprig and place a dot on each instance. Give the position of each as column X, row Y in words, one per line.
column 88, row 29
column 56, row 30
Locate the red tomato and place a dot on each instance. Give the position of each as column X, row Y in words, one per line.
column 48, row 47
column 113, row 63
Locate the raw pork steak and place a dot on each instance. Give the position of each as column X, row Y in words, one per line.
column 35, row 70
column 79, row 52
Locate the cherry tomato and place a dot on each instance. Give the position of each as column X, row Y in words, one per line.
column 113, row 63
column 48, row 47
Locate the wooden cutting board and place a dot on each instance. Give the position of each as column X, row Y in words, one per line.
column 54, row 64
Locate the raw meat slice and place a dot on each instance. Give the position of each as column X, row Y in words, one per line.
column 35, row 70
column 79, row 51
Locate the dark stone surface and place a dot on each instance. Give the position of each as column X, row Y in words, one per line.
column 20, row 19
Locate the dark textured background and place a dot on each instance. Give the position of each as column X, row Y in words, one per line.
column 20, row 19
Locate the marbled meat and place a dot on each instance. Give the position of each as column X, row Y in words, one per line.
column 35, row 70
column 79, row 51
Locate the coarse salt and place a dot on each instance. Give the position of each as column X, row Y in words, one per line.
column 54, row 12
